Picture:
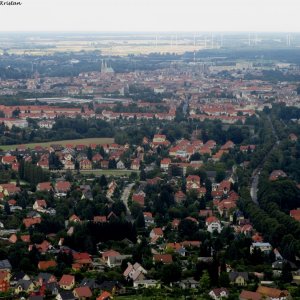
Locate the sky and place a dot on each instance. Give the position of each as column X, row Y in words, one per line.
column 152, row 15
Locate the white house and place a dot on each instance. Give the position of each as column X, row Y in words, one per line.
column 213, row 224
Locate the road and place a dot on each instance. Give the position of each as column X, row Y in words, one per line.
column 256, row 172
column 125, row 196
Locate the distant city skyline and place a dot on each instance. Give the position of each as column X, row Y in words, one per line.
column 153, row 16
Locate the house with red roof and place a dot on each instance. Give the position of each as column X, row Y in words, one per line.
column 180, row 196
column 293, row 137
column 295, row 214
column 28, row 222
column 156, row 233
column 193, row 183
column 9, row 159
column 67, row 282
column 139, row 198
column 4, row 281
column 105, row 296
column 249, row 295
column 9, row 189
column 163, row 258
column 74, row 219
column 97, row 158
column 135, row 165
column 40, row 205
column 82, row 293
column 62, row 187
column 44, row 186
column 213, row 224
column 25, row 238
column 13, row 238
column 100, row 219
column 85, row 164
column 228, row 145
column 276, row 174
column 82, row 258
column 165, row 163
column 46, row 264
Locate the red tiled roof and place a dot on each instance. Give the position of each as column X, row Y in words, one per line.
column 83, row 292
column 164, row 258
column 67, row 280
column 44, row 265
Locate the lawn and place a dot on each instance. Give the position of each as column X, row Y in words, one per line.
column 97, row 141
column 109, row 172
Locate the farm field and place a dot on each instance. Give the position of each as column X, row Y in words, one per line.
column 88, row 141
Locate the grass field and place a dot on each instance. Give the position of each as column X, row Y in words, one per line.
column 109, row 172
column 98, row 141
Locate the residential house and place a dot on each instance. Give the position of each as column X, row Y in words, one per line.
column 62, row 187
column 193, row 183
column 238, row 278
column 4, row 281
column 105, row 296
column 146, row 283
column 155, row 234
column 149, row 220
column 82, row 293
column 120, row 165
column 163, row 258
column 265, row 248
column 272, row 293
column 249, row 295
column 180, row 196
column 134, row 272
column 135, row 165
column 295, row 214
column 65, row 295
column 46, row 264
column 189, row 283
column 138, row 198
column 44, row 186
column 213, row 224
column 177, row 248
column 67, row 282
column 164, row 164
column 219, row 293
column 45, row 278
column 276, row 174
column 40, row 205
column 26, row 286
column 85, row 164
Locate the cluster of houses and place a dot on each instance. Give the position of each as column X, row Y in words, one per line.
column 221, row 213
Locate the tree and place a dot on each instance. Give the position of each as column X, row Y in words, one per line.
column 204, row 281
column 170, row 273
column 140, row 221
column 6, row 208
column 220, row 176
column 142, row 175
column 224, row 280
column 103, row 181
column 89, row 153
column 187, row 228
column 286, row 275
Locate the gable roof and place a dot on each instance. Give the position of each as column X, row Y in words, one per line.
column 83, row 291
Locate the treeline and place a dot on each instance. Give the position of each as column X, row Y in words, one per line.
column 86, row 236
column 283, row 192
column 64, row 129
column 32, row 173
column 275, row 226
